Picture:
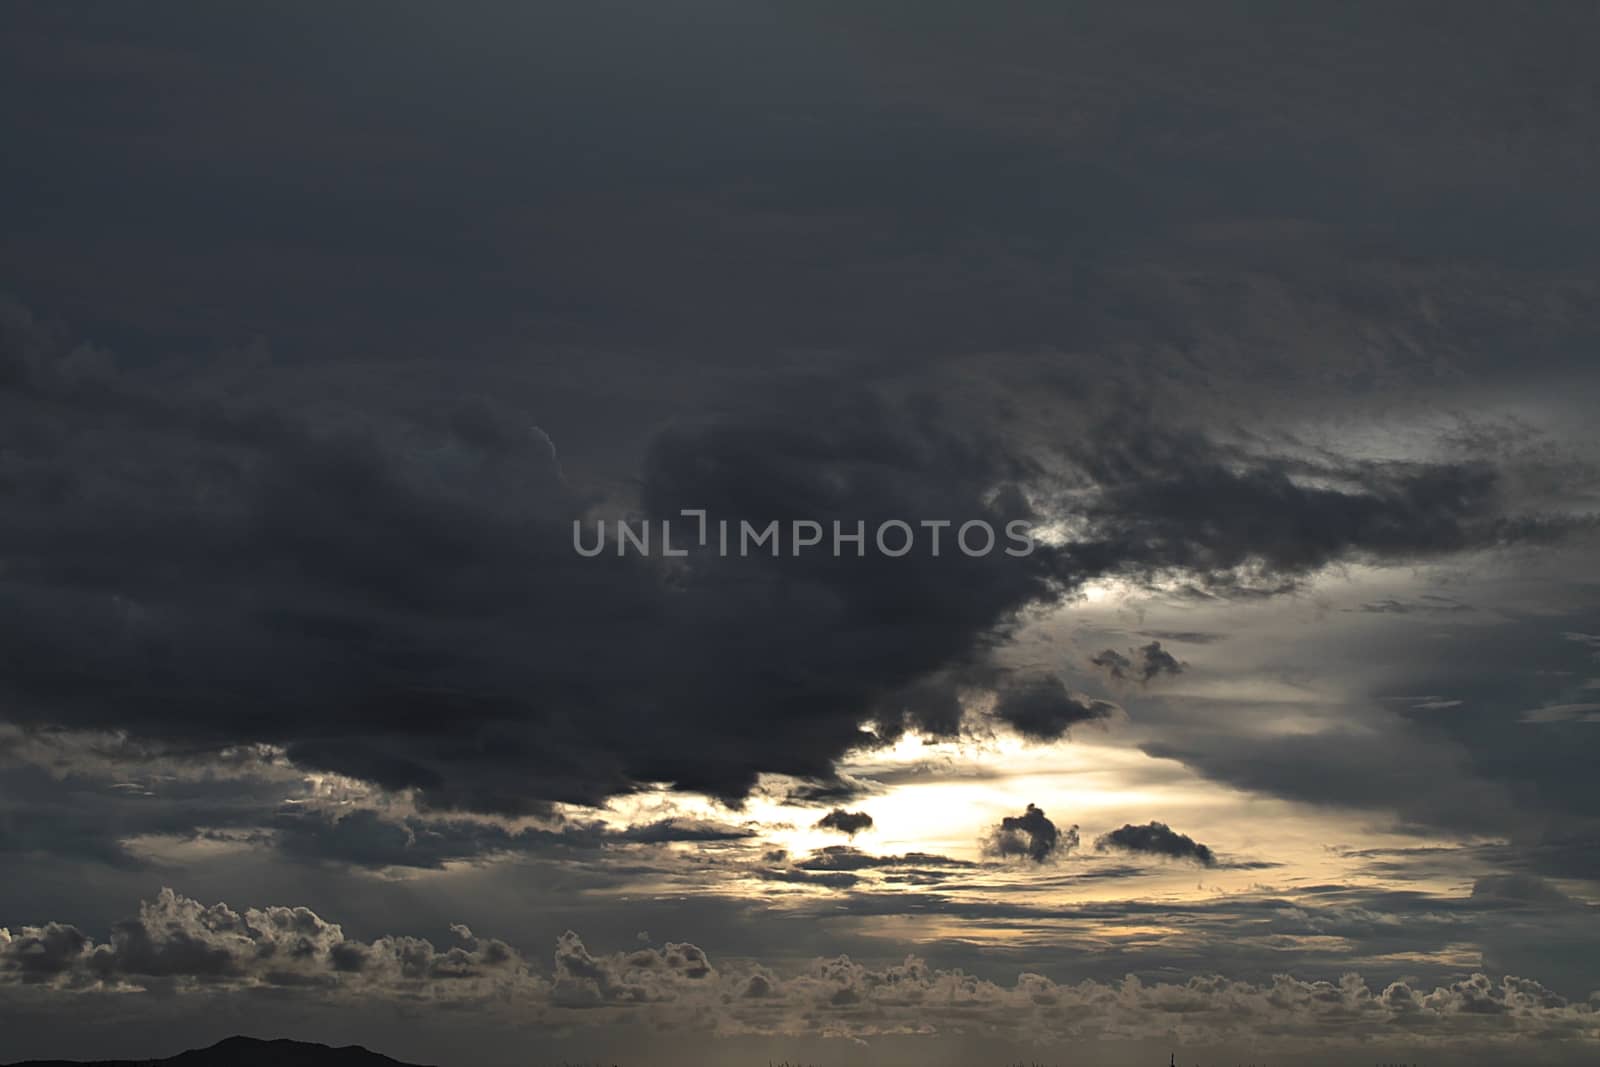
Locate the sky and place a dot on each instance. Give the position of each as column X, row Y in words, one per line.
column 329, row 335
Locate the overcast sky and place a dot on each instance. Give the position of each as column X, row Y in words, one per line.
column 322, row 326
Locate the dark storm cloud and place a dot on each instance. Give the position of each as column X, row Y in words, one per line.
column 364, row 312
column 391, row 593
column 450, row 626
column 1157, row 839
column 1031, row 836
column 845, row 822
column 939, row 127
column 366, row 560
column 1144, row 664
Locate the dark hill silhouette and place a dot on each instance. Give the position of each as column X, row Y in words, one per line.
column 247, row 1052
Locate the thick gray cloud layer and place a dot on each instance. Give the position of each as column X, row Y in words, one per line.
column 394, row 597
column 318, row 351
column 345, row 554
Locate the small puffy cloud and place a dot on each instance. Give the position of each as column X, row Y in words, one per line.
column 1042, row 709
column 1141, row 665
column 1157, row 839
column 845, row 822
column 1031, row 836
column 644, row 976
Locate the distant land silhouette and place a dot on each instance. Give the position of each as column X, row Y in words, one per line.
column 247, row 1052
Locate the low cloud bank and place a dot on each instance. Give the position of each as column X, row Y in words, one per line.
column 178, row 946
